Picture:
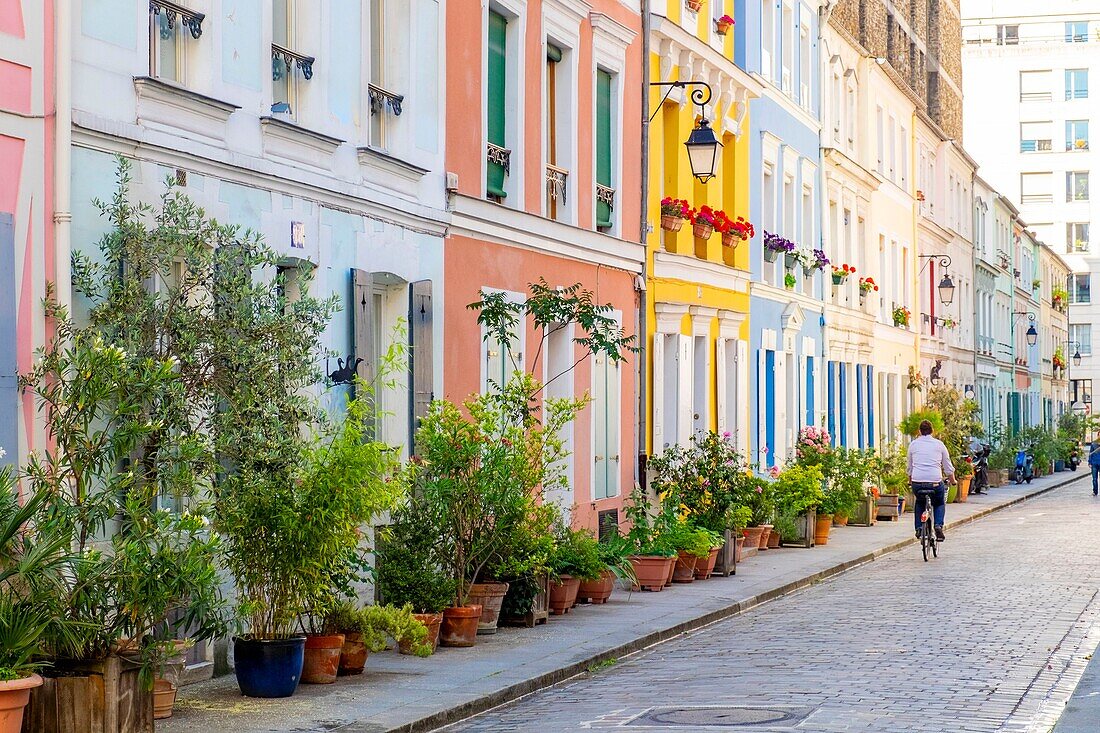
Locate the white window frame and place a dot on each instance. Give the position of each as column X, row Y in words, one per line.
column 610, row 40
column 515, row 95
column 521, row 339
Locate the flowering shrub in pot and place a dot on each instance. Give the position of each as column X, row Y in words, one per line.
column 901, row 316
column 575, row 559
column 774, row 245
column 734, row 230
column 703, row 222
column 816, row 260
column 842, row 273
column 723, row 24
column 673, row 213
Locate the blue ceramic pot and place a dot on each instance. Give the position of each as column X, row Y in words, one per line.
column 268, row 667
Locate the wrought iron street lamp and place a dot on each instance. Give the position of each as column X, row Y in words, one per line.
column 946, row 287
column 702, row 144
column 1032, row 335
column 1076, row 352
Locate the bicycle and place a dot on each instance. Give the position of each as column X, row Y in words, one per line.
column 927, row 533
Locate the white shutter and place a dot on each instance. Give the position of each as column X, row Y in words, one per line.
column 613, row 397
column 685, row 376
column 740, row 409
column 720, row 383
column 820, row 391
column 782, row 418
column 761, row 406
column 600, row 444
column 657, row 394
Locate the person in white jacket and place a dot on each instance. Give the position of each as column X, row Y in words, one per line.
column 929, row 464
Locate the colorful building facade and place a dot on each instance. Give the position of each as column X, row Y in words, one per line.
column 542, row 118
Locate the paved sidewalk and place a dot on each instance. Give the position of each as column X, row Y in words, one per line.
column 399, row 693
column 1082, row 713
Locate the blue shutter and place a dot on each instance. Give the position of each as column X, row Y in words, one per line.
column 769, row 405
column 810, row 391
column 830, row 407
column 859, row 407
column 870, row 406
column 843, row 369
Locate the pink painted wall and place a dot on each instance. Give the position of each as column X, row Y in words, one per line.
column 27, row 77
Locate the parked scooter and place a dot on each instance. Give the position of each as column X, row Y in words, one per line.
column 980, row 458
column 1025, row 465
column 1074, row 459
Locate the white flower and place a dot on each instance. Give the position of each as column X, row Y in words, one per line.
column 3, row 452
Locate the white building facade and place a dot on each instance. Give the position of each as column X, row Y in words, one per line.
column 1029, row 116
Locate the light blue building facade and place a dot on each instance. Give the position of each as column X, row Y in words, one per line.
column 779, row 43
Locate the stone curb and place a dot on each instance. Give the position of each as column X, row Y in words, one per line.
column 521, row 689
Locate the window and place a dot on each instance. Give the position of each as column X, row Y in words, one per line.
column 1077, row 237
column 1079, row 288
column 555, row 176
column 1077, row 83
column 1008, row 35
column 605, row 191
column 169, row 26
column 1081, row 389
column 1077, row 31
column 1035, row 137
column 788, row 48
column 767, row 39
column 1077, row 186
column 1035, row 86
column 1077, row 134
column 606, row 420
column 495, row 89
column 805, row 77
column 500, row 361
column 381, row 99
column 850, row 119
column 1036, row 188
column 1082, row 334
column 286, row 62
column 881, row 141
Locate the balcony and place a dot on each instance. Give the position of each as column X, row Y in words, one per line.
column 1036, row 146
column 380, row 99
column 1037, row 198
column 1077, row 145
column 1036, row 97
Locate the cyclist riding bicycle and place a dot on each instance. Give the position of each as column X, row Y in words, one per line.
column 929, row 463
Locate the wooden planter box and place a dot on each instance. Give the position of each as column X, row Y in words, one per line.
column 726, row 565
column 865, row 513
column 540, row 607
column 887, row 507
column 96, row 697
column 806, row 526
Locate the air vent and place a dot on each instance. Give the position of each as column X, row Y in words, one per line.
column 609, row 522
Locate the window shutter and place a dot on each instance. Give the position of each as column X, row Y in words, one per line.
column 761, row 405
column 495, row 89
column 603, row 143
column 600, row 444
column 870, row 405
column 860, row 419
column 843, row 369
column 612, row 394
column 684, row 377
column 421, row 355
column 780, row 411
column 810, row 395
column 742, row 405
column 9, row 375
column 657, row 394
column 363, row 323
column 769, row 406
column 720, row 384
column 831, row 405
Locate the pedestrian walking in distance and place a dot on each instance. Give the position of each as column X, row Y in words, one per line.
column 1094, row 463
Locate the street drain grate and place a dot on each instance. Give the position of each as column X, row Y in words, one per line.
column 722, row 716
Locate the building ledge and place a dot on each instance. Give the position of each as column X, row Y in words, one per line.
column 173, row 108
column 285, row 139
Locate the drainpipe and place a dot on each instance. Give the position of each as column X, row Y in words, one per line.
column 63, row 139
column 643, row 235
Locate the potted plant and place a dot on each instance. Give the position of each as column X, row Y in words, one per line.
column 901, row 316
column 653, row 556
column 723, row 24
column 1036, row 284
column 866, row 285
column 411, row 568
column 614, row 555
column 774, row 245
column 816, row 261
column 789, row 281
column 693, row 5
column 797, row 491
column 692, row 544
column 703, row 222
column 575, row 559
column 842, row 273
column 369, row 629
column 851, row 470
column 673, row 213
column 920, row 195
column 734, row 231
column 1059, row 297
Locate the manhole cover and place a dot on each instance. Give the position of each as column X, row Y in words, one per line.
column 722, row 716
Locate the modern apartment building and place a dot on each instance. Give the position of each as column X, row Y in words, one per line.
column 1029, row 117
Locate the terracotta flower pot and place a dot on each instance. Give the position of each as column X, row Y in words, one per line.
column 322, row 660
column 964, row 488
column 164, row 698
column 821, row 528
column 684, row 571
column 489, row 596
column 598, row 590
column 459, row 626
column 671, row 223
column 650, row 570
column 773, row 539
column 432, row 621
column 723, row 28
column 840, row 520
column 739, row 549
column 670, row 570
column 702, row 230
column 563, row 594
column 731, row 240
column 705, row 566
column 765, row 533
column 353, row 656
column 752, row 536
column 14, row 696
column 694, row 5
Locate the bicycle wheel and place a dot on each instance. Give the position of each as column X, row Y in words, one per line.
column 935, row 545
column 925, row 538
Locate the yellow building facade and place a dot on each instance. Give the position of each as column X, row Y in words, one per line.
column 697, row 288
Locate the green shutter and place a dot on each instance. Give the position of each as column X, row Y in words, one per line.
column 495, row 96
column 603, row 143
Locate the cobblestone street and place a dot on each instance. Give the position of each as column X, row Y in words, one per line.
column 1010, row 610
